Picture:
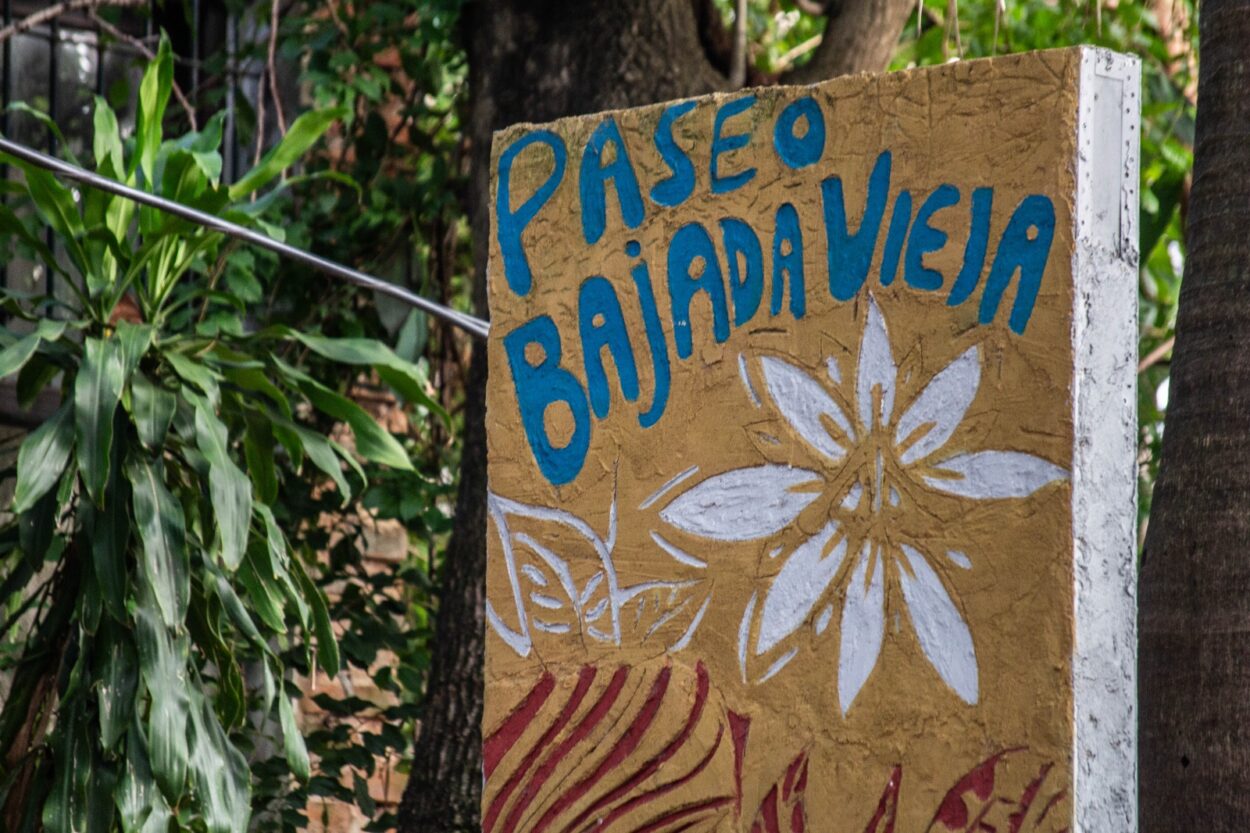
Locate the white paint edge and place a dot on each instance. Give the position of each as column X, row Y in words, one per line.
column 1104, row 473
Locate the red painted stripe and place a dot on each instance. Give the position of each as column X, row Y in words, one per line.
column 579, row 733
column 584, row 679
column 607, row 821
column 1016, row 820
column 623, row 749
column 740, row 727
column 696, row 711
column 506, row 736
column 683, row 813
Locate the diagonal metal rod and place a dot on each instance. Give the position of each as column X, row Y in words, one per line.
column 470, row 324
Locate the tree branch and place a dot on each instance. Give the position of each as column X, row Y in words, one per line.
column 738, row 59
column 861, row 36
column 42, row 16
column 273, row 64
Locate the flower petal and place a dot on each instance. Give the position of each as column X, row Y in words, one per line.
column 876, row 369
column 940, row 627
column 798, row 587
column 941, row 406
column 742, row 504
column 985, row 475
column 863, row 628
column 802, row 401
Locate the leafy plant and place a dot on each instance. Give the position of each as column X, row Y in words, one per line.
column 151, row 585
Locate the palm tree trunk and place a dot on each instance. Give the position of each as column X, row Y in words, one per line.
column 1195, row 584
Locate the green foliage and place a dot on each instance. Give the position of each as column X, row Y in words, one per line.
column 149, row 555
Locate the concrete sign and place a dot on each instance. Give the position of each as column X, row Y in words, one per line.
column 811, row 433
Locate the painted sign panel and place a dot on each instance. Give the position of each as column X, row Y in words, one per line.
column 791, row 521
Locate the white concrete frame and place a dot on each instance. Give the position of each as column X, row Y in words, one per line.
column 1104, row 471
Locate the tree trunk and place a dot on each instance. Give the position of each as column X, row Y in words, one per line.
column 538, row 60
column 1195, row 604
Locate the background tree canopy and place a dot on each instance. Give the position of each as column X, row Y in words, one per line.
column 413, row 89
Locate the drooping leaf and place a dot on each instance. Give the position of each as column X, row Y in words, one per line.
column 229, row 488
column 258, row 445
column 405, row 377
column 373, row 442
column 65, row 810
column 162, row 665
column 110, row 539
column 162, row 530
column 10, row 223
column 97, row 391
column 303, row 133
column 37, row 527
column 42, row 458
column 293, row 741
column 266, row 596
column 118, row 675
column 14, row 357
column 140, row 805
column 134, row 340
column 321, row 451
column 203, row 377
column 223, row 788
column 327, row 645
column 280, row 563
column 153, row 409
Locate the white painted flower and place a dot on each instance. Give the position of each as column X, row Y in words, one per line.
column 869, row 471
column 564, row 584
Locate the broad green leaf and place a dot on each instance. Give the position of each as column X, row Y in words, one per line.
column 229, row 488
column 106, row 141
column 304, row 132
column 140, row 805
column 327, row 645
column 34, row 376
column 223, row 786
column 255, row 381
column 153, row 409
column 37, row 527
column 97, row 390
column 154, row 91
column 65, row 809
column 110, row 538
column 162, row 531
column 42, row 458
column 10, row 223
column 408, row 380
column 258, row 447
column 162, row 665
column 266, row 598
column 48, row 123
column 117, row 676
column 293, row 740
column 238, row 612
column 280, row 563
column 321, row 452
column 14, row 357
column 135, row 339
column 198, row 374
column 203, row 147
column 55, row 204
column 373, row 442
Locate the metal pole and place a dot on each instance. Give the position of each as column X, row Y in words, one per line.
column 470, row 324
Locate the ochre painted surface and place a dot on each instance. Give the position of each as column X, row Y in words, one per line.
column 851, row 608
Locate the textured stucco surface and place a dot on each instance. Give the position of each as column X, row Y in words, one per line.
column 867, row 564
